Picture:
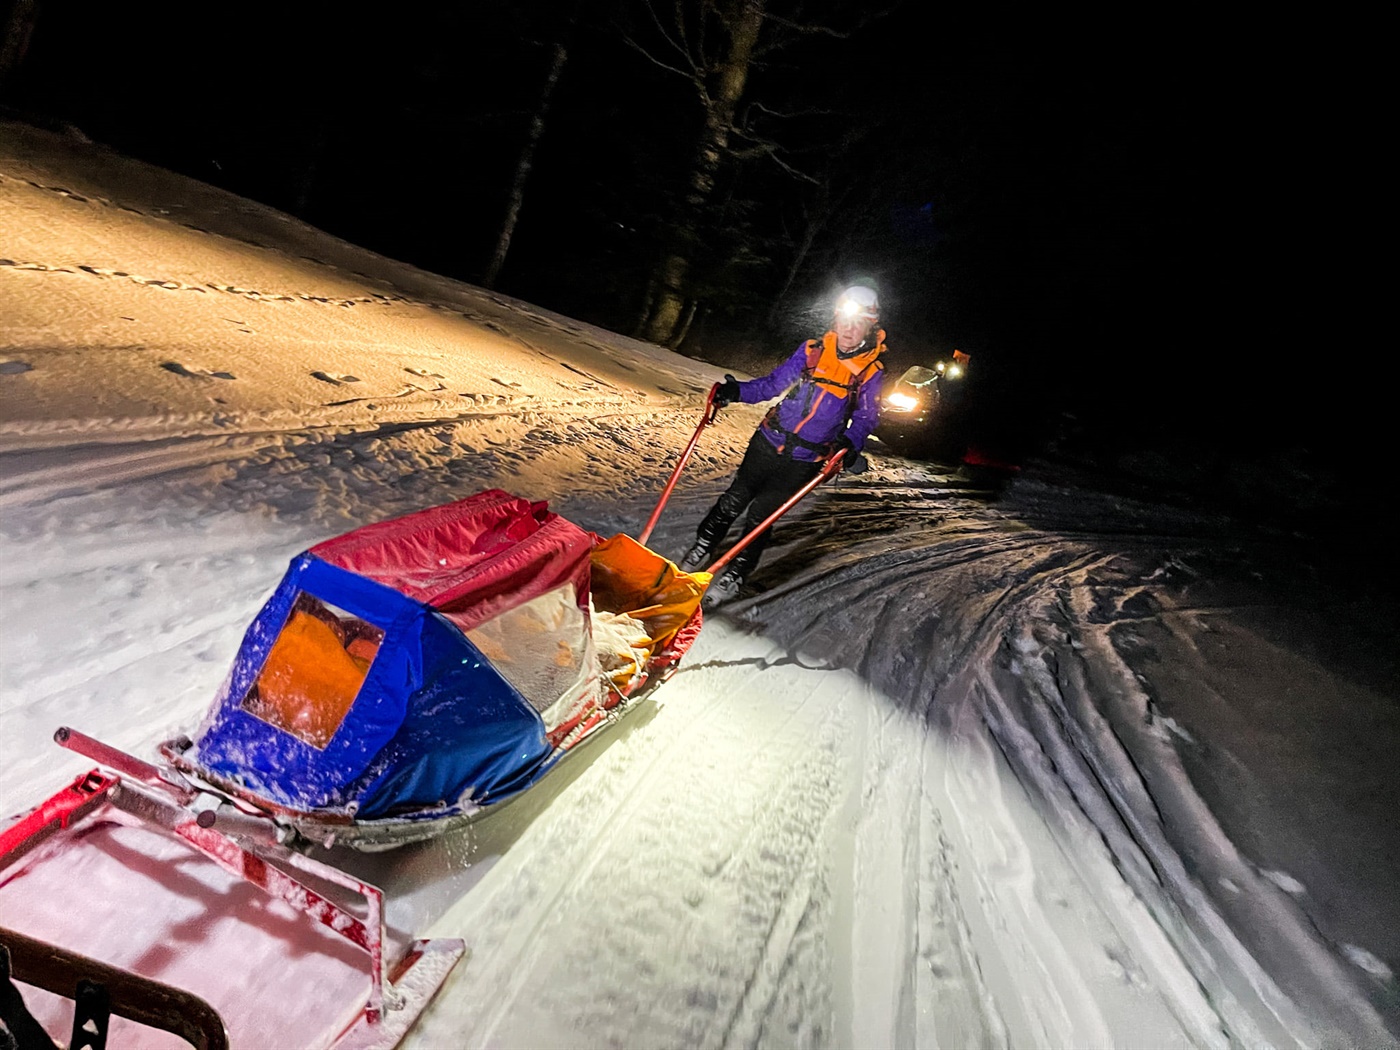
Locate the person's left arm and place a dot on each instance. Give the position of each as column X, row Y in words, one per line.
column 867, row 412
column 777, row 382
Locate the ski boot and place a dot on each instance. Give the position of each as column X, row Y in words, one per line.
column 723, row 588
column 696, row 557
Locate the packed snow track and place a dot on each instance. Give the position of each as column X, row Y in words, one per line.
column 1037, row 766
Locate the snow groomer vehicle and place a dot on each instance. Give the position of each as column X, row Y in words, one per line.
column 918, row 413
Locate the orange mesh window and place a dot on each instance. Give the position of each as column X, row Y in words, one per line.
column 314, row 671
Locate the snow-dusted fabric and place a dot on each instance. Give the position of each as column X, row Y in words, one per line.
column 472, row 559
column 624, row 646
column 633, row 580
column 432, row 722
column 414, row 664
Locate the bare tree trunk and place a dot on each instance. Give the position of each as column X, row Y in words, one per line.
column 815, row 221
column 683, row 329
column 743, row 24
column 522, row 169
column 19, row 29
column 310, row 171
column 668, row 298
column 645, row 311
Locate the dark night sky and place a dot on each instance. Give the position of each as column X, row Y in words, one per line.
column 1161, row 221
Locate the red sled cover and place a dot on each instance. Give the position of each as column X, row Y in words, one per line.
column 472, row 559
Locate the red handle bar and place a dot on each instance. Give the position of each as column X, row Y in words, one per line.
column 829, row 467
column 711, row 410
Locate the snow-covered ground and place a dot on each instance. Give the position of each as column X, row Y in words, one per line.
column 1046, row 767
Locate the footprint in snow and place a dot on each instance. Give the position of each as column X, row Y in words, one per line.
column 424, row 373
column 1368, row 962
column 66, row 193
column 335, row 379
column 1285, row 882
column 250, row 293
column 14, row 368
column 195, row 373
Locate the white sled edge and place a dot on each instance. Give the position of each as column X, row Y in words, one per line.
column 416, row 981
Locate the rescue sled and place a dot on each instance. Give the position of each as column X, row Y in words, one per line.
column 402, row 679
column 407, row 676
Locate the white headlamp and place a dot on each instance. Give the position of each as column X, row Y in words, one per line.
column 858, row 301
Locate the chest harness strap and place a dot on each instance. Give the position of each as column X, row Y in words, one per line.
column 824, row 367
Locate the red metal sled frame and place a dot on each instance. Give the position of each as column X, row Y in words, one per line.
column 265, row 864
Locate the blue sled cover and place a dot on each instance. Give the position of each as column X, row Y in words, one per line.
column 358, row 691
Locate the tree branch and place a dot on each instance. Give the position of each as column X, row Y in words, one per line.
column 693, row 76
column 763, row 148
column 797, row 28
column 769, row 111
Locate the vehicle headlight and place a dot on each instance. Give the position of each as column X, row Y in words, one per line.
column 902, row 402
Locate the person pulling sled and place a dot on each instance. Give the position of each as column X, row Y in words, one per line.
column 830, row 390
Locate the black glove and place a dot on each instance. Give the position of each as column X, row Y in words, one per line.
column 728, row 391
column 853, row 461
column 846, row 445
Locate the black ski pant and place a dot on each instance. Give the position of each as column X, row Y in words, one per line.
column 763, row 483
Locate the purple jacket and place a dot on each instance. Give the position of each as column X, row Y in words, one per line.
column 815, row 415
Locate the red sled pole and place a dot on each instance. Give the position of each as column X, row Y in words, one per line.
column 711, row 410
column 830, row 467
